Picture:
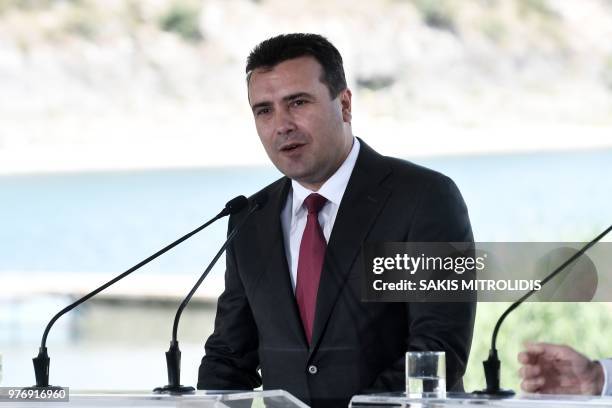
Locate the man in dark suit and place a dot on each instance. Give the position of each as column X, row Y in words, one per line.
column 291, row 305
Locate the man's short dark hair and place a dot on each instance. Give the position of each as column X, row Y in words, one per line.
column 275, row 50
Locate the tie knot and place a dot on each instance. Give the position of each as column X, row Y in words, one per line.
column 314, row 202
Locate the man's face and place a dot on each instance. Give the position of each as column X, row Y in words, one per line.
column 305, row 133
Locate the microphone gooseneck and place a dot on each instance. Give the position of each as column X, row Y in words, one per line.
column 193, row 290
column 41, row 362
column 173, row 355
column 492, row 364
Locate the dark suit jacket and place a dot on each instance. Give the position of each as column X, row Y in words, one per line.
column 356, row 346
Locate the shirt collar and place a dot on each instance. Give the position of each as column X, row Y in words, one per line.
column 333, row 189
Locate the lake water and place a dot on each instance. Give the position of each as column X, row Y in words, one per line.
column 106, row 222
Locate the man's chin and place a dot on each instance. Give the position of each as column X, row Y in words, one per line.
column 304, row 178
column 294, row 171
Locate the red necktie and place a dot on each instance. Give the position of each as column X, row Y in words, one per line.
column 310, row 263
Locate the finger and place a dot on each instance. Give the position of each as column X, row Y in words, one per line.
column 549, row 351
column 555, row 350
column 526, row 357
column 523, row 357
column 532, row 385
column 528, row 372
column 535, row 348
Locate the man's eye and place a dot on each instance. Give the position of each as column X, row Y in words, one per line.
column 262, row 111
column 298, row 102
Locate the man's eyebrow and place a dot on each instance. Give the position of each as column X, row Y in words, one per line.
column 265, row 104
column 297, row 95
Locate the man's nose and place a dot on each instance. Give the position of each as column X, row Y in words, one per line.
column 284, row 122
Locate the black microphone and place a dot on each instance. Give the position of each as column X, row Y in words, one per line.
column 41, row 362
column 492, row 364
column 173, row 355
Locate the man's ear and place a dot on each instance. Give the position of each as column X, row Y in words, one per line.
column 345, row 103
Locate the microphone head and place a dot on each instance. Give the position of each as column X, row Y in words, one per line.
column 235, row 205
column 258, row 201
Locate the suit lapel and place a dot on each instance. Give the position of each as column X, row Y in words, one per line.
column 361, row 204
column 278, row 279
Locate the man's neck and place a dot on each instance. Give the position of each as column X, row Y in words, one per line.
column 315, row 186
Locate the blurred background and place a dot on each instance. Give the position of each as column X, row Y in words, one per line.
column 125, row 124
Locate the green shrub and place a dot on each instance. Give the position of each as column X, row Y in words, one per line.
column 437, row 14
column 24, row 4
column 82, row 21
column 536, row 7
column 182, row 18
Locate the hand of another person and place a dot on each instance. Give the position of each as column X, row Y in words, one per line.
column 558, row 369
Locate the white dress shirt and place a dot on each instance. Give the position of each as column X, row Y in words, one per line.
column 294, row 214
column 606, row 364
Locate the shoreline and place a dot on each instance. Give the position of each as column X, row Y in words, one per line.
column 159, row 288
column 391, row 139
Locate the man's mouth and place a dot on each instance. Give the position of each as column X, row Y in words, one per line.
column 289, row 147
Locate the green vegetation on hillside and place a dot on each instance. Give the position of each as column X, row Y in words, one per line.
column 182, row 18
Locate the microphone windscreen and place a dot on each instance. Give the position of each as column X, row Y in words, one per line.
column 235, row 205
column 259, row 200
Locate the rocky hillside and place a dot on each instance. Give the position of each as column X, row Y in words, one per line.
column 156, row 83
